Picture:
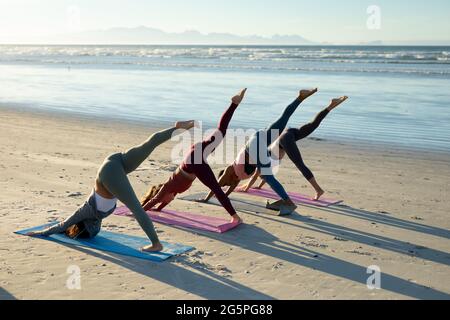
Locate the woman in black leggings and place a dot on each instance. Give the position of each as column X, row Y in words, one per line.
column 287, row 144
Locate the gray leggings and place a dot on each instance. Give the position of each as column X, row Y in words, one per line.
column 113, row 176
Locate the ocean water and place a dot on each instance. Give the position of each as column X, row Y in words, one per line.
column 399, row 96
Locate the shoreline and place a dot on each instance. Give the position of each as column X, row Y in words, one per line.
column 357, row 144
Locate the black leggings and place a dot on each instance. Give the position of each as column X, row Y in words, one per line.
column 289, row 138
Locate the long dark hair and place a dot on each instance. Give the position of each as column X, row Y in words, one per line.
column 152, row 192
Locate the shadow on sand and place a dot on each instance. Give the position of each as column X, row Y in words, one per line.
column 207, row 285
column 387, row 219
column 251, row 207
column 5, row 295
column 362, row 237
column 264, row 243
column 366, row 238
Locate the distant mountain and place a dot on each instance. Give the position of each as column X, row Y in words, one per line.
column 371, row 43
column 144, row 35
column 405, row 43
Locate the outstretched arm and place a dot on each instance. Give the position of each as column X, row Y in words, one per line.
column 208, row 197
column 83, row 213
column 251, row 182
column 261, row 184
column 231, row 188
column 221, row 182
column 161, row 197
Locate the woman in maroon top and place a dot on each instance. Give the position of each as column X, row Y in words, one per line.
column 195, row 165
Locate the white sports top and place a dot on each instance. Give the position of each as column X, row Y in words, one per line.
column 103, row 204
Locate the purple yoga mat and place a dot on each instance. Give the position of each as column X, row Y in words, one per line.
column 184, row 219
column 296, row 197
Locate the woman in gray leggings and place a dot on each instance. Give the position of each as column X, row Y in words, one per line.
column 111, row 185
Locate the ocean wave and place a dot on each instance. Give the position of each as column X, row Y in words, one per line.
column 348, row 68
column 253, row 53
column 420, row 61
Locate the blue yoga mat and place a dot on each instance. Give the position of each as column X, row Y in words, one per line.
column 116, row 243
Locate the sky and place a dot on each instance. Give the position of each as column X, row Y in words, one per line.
column 346, row 21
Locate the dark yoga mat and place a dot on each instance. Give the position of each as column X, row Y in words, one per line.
column 295, row 197
column 239, row 204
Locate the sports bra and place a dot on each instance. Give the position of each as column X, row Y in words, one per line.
column 242, row 169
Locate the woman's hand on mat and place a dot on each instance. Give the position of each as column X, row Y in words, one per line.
column 237, row 99
column 186, row 125
column 243, row 188
column 305, row 94
column 157, row 247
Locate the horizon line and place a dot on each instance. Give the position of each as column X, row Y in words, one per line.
column 232, row 45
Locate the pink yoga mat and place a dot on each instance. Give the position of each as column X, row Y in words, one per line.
column 296, row 197
column 185, row 219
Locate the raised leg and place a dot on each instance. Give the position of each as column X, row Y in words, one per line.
column 134, row 157
column 280, row 124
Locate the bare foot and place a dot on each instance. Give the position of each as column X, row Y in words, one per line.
column 318, row 195
column 336, row 102
column 305, row 94
column 186, row 125
column 236, row 219
column 157, row 247
column 238, row 98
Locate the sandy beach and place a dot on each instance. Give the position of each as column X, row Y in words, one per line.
column 394, row 216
